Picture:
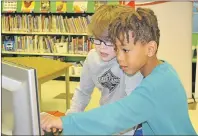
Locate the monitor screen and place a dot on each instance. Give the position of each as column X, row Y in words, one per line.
column 20, row 107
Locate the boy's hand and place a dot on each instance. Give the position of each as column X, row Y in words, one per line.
column 49, row 122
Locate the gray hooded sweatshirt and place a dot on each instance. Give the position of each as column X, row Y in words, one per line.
column 111, row 81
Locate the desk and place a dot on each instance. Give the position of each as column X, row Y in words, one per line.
column 47, row 69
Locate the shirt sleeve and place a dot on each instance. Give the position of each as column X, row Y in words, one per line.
column 112, row 118
column 82, row 94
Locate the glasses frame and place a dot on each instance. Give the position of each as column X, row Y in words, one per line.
column 92, row 41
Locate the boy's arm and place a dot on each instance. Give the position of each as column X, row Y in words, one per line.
column 112, row 118
column 82, row 94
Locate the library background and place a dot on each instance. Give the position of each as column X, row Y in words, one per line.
column 57, row 30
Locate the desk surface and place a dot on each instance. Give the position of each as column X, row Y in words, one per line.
column 44, row 66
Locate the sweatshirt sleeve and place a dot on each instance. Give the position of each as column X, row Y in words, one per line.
column 82, row 94
column 111, row 118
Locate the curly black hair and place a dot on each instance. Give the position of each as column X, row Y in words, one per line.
column 143, row 23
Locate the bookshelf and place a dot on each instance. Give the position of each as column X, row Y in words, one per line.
column 28, row 29
column 40, row 32
column 48, row 28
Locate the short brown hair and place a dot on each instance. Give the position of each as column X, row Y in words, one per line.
column 102, row 18
column 143, row 23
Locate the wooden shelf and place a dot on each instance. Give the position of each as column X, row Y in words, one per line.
column 44, row 54
column 42, row 33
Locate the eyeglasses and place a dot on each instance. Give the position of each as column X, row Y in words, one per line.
column 99, row 42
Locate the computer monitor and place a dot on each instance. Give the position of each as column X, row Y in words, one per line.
column 20, row 107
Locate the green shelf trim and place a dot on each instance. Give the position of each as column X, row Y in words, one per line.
column 19, row 4
column 194, row 60
column 70, row 7
column 37, row 6
column 91, row 6
column 53, row 6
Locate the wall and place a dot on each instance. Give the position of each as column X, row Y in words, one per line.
column 175, row 22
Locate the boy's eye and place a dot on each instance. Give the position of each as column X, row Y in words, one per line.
column 125, row 50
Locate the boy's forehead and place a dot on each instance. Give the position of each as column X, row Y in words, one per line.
column 103, row 36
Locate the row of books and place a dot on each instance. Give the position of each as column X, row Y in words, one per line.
column 47, row 44
column 44, row 23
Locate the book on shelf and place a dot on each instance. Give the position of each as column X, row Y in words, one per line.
column 27, row 5
column 61, row 6
column 44, row 23
column 9, row 6
column 45, row 6
column 9, row 43
column 79, row 6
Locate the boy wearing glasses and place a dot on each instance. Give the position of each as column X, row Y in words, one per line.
column 101, row 69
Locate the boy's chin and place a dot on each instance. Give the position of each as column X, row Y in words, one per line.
column 129, row 73
column 106, row 59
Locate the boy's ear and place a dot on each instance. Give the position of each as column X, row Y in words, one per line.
column 152, row 48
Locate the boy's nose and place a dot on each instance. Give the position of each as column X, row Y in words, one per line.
column 102, row 46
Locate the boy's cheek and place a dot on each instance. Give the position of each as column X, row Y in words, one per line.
column 108, row 58
column 108, row 50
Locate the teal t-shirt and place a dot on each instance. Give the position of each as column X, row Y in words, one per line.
column 159, row 103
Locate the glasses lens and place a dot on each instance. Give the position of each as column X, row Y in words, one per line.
column 108, row 44
column 97, row 42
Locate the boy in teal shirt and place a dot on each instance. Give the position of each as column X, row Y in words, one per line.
column 159, row 102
